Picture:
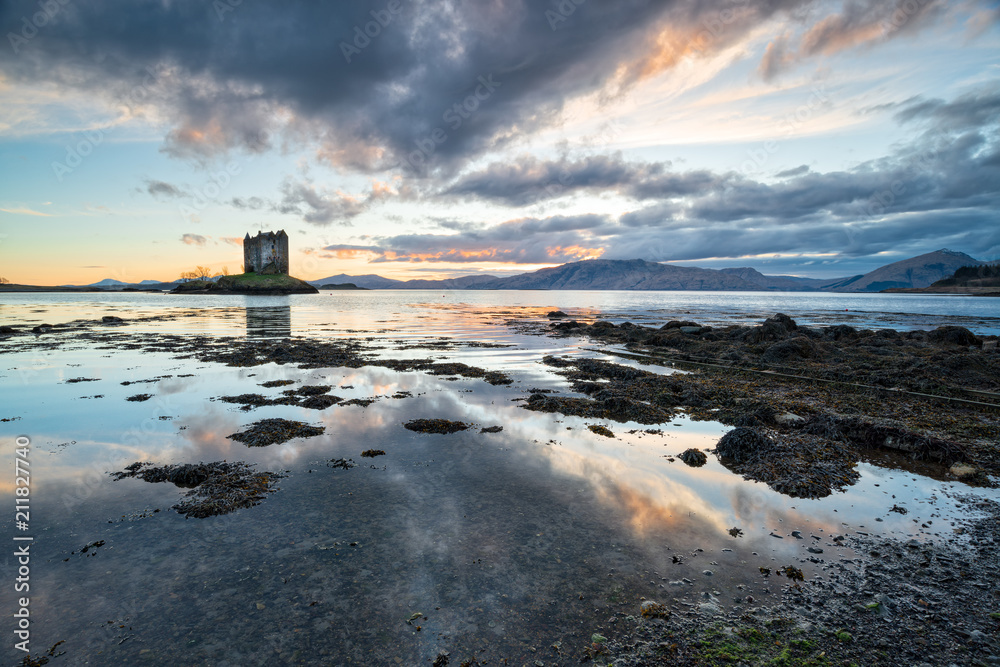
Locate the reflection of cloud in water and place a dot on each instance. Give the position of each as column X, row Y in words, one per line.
column 650, row 500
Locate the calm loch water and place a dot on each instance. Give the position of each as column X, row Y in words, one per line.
column 486, row 545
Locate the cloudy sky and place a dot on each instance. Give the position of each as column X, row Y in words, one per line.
column 432, row 138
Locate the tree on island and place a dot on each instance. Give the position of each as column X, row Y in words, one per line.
column 4, row 281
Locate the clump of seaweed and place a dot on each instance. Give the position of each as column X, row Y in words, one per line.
column 216, row 488
column 435, row 426
column 311, row 390
column 139, row 398
column 270, row 384
column 363, row 402
column 319, row 402
column 274, row 431
column 491, row 429
column 600, row 430
column 693, row 457
column 372, row 453
column 743, row 444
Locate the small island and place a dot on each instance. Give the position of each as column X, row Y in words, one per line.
column 978, row 280
column 265, row 262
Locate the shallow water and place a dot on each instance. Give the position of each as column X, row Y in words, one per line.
column 429, row 312
column 506, row 542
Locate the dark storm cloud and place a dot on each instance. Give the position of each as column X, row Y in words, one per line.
column 321, row 206
column 316, row 206
column 522, row 241
column 528, row 180
column 970, row 111
column 437, row 81
column 943, row 189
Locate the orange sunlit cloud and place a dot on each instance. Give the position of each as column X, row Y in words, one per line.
column 574, row 251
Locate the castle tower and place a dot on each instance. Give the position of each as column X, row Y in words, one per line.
column 266, row 253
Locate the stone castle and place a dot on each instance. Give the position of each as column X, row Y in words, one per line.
column 266, row 253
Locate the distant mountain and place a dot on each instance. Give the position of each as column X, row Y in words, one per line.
column 779, row 283
column 915, row 272
column 107, row 282
column 116, row 285
column 623, row 274
column 638, row 274
column 372, row 281
column 982, row 279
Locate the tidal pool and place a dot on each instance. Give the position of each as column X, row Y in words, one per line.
column 517, row 545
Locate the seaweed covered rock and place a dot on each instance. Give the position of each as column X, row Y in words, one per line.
column 678, row 324
column 273, row 431
column 443, row 426
column 743, row 444
column 951, row 335
column 773, row 329
column 840, row 332
column 216, row 488
column 792, row 349
column 693, row 457
column 601, row 430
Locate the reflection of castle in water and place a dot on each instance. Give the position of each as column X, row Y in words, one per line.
column 269, row 321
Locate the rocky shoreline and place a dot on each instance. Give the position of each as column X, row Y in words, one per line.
column 876, row 602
